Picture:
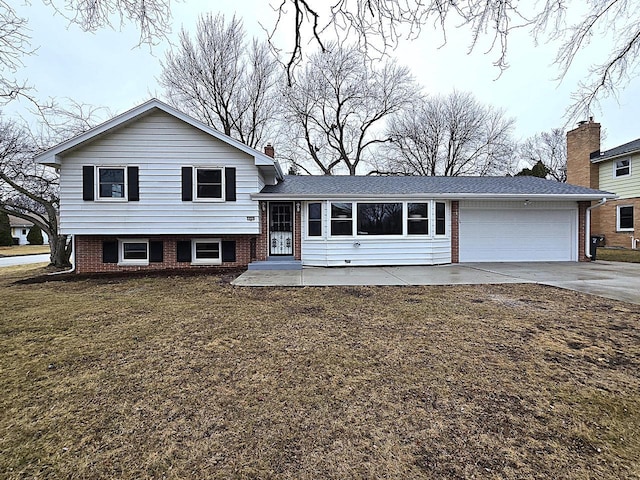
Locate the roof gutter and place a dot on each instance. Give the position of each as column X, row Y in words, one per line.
column 587, row 227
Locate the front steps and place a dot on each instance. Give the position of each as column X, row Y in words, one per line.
column 277, row 263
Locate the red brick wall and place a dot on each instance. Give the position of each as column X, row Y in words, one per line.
column 455, row 232
column 604, row 222
column 297, row 232
column 582, row 217
column 88, row 255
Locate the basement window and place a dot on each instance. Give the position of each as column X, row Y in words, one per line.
column 134, row 252
column 206, row 252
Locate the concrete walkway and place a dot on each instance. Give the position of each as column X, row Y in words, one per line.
column 24, row 260
column 615, row 280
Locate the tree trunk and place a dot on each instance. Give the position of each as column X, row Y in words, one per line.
column 60, row 251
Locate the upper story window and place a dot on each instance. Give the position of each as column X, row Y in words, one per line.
column 622, row 168
column 209, row 184
column 418, row 218
column 625, row 218
column 111, row 182
column 379, row 218
column 314, row 219
column 341, row 218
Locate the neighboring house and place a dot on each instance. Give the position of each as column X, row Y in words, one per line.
column 155, row 189
column 20, row 230
column 615, row 170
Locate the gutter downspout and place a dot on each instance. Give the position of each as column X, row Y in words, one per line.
column 73, row 258
column 587, row 227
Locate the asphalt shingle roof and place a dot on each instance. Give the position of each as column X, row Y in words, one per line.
column 300, row 185
column 633, row 146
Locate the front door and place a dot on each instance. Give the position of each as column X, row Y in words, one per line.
column 280, row 228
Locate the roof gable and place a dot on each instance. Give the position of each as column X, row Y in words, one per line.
column 53, row 156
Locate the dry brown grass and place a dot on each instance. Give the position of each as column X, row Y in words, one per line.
column 618, row 255
column 192, row 378
column 23, row 250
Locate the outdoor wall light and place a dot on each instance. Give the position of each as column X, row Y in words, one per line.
column 297, row 206
column 526, row 203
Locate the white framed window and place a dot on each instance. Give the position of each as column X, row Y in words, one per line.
column 418, row 218
column 133, row 251
column 624, row 220
column 379, row 218
column 314, row 219
column 341, row 218
column 441, row 218
column 622, row 168
column 112, row 183
column 206, row 251
column 208, row 184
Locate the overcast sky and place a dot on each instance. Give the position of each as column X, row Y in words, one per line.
column 107, row 69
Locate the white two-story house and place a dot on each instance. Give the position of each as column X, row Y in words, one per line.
column 155, row 189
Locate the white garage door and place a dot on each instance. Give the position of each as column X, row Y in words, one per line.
column 517, row 235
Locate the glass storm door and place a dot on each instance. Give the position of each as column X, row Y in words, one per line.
column 280, row 229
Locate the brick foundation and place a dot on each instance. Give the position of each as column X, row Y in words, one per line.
column 88, row 254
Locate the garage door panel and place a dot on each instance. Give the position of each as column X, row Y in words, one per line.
column 507, row 235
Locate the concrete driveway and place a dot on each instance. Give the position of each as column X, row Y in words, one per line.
column 615, row 280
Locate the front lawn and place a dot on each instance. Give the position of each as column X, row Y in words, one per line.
column 16, row 250
column 618, row 255
column 189, row 377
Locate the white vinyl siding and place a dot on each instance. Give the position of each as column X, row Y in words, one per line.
column 627, row 186
column 515, row 232
column 159, row 145
column 369, row 250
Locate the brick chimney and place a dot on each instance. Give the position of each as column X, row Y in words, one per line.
column 582, row 142
column 269, row 150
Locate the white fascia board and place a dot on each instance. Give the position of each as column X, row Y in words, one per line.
column 52, row 156
column 445, row 196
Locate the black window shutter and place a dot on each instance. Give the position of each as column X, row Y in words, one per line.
column 156, row 251
column 230, row 184
column 187, row 184
column 110, row 251
column 133, row 193
column 87, row 182
column 183, row 249
column 229, row 251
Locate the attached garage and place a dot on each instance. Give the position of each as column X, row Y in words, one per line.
column 518, row 231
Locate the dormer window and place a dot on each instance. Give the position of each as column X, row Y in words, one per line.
column 622, row 168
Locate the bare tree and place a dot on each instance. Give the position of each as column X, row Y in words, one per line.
column 380, row 25
column 29, row 190
column 550, row 149
column 222, row 79
column 449, row 135
column 337, row 108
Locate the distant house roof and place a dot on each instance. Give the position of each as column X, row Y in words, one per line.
column 19, row 222
column 319, row 187
column 51, row 157
column 627, row 148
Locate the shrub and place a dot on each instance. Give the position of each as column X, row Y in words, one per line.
column 35, row 236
